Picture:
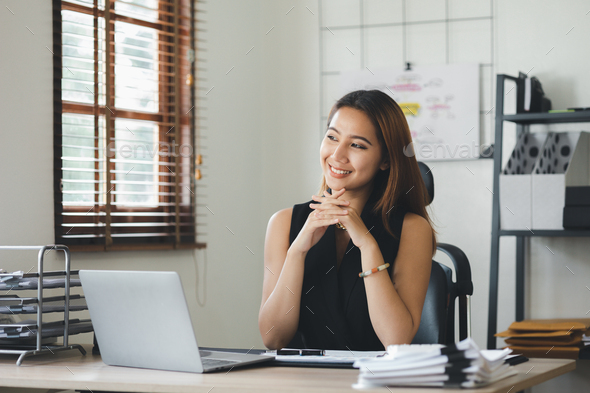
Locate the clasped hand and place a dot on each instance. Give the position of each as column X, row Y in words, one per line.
column 328, row 211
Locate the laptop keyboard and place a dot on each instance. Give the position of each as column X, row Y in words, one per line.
column 209, row 363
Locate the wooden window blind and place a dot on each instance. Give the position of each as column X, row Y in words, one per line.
column 125, row 163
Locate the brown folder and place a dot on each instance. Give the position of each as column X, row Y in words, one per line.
column 519, row 334
column 550, row 352
column 571, row 340
column 567, row 324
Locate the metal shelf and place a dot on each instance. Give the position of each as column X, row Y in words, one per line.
column 522, row 121
column 546, row 233
column 41, row 347
column 547, row 118
column 56, row 273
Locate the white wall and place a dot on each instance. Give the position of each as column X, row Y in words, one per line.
column 261, row 146
column 527, row 32
column 258, row 128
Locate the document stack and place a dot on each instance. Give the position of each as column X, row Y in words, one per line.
column 548, row 338
column 460, row 365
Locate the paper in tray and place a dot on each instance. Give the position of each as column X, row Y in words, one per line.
column 33, row 282
column 16, row 305
column 27, row 329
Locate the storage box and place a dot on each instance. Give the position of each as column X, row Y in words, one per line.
column 577, row 196
column 563, row 163
column 576, row 213
column 516, row 182
column 576, row 217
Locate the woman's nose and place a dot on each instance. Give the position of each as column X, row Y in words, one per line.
column 339, row 154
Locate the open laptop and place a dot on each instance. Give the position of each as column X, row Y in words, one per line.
column 141, row 319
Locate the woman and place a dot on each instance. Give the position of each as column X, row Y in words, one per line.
column 371, row 212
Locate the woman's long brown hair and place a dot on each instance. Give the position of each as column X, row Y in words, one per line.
column 401, row 184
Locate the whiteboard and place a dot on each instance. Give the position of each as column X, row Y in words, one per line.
column 441, row 104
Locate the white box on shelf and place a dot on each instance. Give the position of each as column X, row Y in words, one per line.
column 564, row 163
column 516, row 182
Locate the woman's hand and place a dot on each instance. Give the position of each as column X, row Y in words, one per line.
column 330, row 207
column 317, row 222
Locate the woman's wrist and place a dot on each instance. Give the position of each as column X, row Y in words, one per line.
column 371, row 256
column 369, row 244
column 295, row 253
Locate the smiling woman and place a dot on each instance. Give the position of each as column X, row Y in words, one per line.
column 369, row 216
column 351, row 156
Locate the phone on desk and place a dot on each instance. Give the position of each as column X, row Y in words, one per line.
column 300, row 352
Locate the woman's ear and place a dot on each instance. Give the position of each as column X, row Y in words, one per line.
column 384, row 165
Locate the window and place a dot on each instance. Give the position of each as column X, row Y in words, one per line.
column 125, row 164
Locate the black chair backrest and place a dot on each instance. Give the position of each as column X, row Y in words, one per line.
column 428, row 179
column 437, row 323
column 433, row 323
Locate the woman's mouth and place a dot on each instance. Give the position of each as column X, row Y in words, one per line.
column 338, row 172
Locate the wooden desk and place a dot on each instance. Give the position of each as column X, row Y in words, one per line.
column 70, row 370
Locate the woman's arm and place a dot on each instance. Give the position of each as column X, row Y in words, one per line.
column 283, row 273
column 395, row 303
column 283, row 279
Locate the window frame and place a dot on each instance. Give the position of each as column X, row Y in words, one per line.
column 170, row 86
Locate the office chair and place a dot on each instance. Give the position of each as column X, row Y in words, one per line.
column 437, row 324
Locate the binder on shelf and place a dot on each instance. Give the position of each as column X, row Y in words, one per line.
column 520, row 92
column 577, row 196
column 534, row 181
column 576, row 213
column 530, row 97
column 565, row 162
column 516, row 182
column 576, row 217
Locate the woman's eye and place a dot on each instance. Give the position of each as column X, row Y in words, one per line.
column 356, row 145
column 331, row 137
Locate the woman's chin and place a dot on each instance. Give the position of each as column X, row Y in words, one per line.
column 330, row 182
column 334, row 186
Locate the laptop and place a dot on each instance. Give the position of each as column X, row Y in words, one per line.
column 141, row 319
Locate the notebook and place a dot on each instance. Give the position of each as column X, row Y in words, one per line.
column 141, row 319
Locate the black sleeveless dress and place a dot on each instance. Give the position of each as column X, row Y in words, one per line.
column 334, row 313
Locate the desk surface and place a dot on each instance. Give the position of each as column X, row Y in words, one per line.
column 70, row 370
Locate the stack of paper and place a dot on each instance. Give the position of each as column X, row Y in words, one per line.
column 458, row 365
column 547, row 338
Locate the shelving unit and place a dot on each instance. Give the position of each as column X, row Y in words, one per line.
column 9, row 301
column 523, row 121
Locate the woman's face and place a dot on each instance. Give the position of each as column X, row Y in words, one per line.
column 350, row 153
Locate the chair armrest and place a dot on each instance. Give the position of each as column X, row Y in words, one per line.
column 462, row 267
column 463, row 286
